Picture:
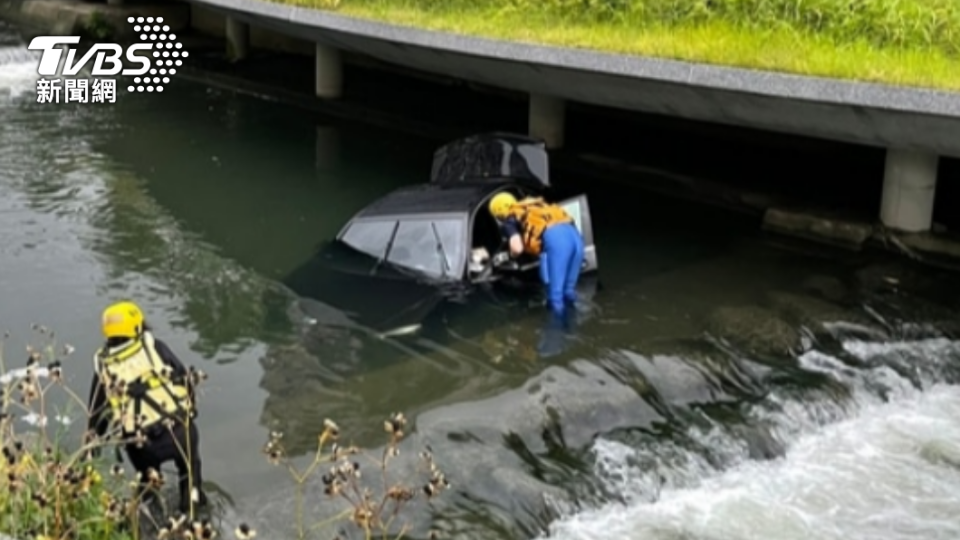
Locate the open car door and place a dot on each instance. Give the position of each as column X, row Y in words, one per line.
column 579, row 210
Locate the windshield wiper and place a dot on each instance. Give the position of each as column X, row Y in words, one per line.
column 443, row 254
column 386, row 250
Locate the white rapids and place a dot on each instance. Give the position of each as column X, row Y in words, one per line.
column 18, row 71
column 884, row 470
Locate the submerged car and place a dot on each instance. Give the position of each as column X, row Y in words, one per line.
column 396, row 259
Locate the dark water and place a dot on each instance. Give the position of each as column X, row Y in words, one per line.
column 720, row 385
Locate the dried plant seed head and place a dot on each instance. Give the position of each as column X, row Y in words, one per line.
column 362, row 517
column 205, row 531
column 334, row 488
column 244, row 532
column 176, row 522
column 154, row 477
column 331, row 427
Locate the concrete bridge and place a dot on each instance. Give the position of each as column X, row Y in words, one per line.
column 915, row 126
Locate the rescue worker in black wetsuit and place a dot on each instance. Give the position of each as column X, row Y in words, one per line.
column 141, row 389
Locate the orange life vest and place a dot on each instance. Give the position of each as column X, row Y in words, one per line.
column 535, row 215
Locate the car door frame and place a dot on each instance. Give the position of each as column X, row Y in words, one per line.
column 579, row 209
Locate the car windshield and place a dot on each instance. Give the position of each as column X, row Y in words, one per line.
column 370, row 237
column 432, row 246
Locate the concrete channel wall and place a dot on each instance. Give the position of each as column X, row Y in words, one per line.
column 916, row 126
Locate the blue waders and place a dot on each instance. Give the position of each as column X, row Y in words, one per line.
column 560, row 261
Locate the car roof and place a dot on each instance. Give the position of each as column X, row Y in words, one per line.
column 432, row 199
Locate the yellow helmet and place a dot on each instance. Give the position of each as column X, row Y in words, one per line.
column 500, row 204
column 123, row 319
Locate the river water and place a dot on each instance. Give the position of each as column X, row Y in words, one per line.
column 721, row 385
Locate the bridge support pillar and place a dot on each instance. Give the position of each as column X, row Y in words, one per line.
column 238, row 39
column 547, row 118
column 329, row 84
column 909, row 187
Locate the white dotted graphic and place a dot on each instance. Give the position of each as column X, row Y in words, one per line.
column 167, row 53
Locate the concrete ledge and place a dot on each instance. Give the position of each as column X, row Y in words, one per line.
column 841, row 230
column 819, row 226
column 931, row 244
column 862, row 113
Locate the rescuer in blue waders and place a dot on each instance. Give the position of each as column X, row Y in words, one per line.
column 545, row 230
column 140, row 387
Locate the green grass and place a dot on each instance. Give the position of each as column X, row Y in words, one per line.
column 901, row 42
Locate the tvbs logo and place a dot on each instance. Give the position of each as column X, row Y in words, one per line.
column 156, row 58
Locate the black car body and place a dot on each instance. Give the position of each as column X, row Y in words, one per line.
column 413, row 248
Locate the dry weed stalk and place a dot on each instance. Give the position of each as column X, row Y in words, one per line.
column 372, row 514
column 52, row 488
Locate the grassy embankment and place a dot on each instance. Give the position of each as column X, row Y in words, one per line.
column 903, row 42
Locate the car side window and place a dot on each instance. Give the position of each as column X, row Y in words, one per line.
column 431, row 247
column 370, row 237
column 450, row 232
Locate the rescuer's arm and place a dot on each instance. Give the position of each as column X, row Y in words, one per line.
column 96, row 404
column 511, row 230
column 179, row 371
column 169, row 358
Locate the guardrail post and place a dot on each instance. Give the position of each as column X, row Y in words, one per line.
column 238, row 39
column 329, row 83
column 547, row 118
column 909, row 188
